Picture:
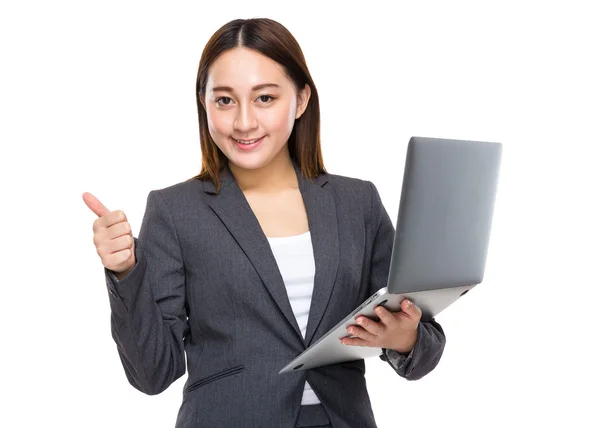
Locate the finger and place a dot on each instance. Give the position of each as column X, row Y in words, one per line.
column 119, row 229
column 386, row 316
column 361, row 333
column 95, row 205
column 355, row 341
column 119, row 244
column 118, row 258
column 110, row 219
column 411, row 310
column 370, row 325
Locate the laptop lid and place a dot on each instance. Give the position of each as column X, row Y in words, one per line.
column 445, row 216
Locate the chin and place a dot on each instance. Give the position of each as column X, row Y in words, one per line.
column 249, row 162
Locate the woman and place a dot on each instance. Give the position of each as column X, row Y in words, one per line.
column 245, row 265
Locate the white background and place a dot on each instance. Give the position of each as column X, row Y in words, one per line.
column 99, row 97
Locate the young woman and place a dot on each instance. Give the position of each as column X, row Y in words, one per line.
column 242, row 267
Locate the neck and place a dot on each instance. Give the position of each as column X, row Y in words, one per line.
column 277, row 175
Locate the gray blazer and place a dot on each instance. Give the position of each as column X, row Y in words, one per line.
column 207, row 285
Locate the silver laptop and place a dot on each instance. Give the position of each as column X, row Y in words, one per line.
column 441, row 240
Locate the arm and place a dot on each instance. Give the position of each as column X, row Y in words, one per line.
column 431, row 339
column 148, row 316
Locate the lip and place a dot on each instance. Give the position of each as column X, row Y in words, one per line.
column 249, row 146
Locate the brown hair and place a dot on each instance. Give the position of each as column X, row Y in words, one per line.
column 273, row 40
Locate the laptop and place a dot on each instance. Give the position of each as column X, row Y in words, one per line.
column 440, row 244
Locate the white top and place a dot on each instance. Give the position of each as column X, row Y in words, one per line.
column 295, row 258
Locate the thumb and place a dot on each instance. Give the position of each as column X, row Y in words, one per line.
column 94, row 204
column 410, row 309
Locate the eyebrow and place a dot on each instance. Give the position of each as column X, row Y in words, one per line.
column 254, row 88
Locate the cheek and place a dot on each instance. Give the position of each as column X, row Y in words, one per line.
column 218, row 122
column 219, row 129
column 279, row 120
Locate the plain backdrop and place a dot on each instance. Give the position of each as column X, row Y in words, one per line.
column 99, row 97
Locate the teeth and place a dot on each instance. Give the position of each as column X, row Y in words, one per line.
column 248, row 142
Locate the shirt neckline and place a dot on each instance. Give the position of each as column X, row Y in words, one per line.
column 287, row 238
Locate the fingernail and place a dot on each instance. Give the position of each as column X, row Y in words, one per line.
column 359, row 320
column 409, row 303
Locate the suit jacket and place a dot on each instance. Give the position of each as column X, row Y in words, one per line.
column 206, row 285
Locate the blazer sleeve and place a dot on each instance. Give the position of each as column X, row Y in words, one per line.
column 431, row 339
column 148, row 309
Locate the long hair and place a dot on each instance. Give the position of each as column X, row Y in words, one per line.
column 273, row 40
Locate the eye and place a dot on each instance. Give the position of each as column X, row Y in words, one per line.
column 219, row 101
column 266, row 96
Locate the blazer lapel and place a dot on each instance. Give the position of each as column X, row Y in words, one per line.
column 233, row 209
column 322, row 222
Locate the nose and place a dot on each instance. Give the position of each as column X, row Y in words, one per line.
column 245, row 119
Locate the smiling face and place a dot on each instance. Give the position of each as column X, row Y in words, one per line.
column 251, row 106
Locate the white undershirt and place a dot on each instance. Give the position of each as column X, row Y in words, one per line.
column 295, row 258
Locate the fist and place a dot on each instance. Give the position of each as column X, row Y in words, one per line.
column 112, row 237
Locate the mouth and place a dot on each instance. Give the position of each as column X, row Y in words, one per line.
column 248, row 143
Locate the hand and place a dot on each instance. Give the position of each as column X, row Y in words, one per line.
column 395, row 330
column 112, row 237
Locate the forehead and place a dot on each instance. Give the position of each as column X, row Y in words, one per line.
column 242, row 68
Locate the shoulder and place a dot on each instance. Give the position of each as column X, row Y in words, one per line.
column 346, row 183
column 179, row 194
column 351, row 192
column 351, row 185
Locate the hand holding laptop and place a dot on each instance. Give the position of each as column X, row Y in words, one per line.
column 395, row 330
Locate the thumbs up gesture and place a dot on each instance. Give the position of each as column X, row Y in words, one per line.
column 112, row 237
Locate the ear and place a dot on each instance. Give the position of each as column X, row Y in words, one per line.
column 303, row 97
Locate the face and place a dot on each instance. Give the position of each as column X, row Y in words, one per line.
column 251, row 106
